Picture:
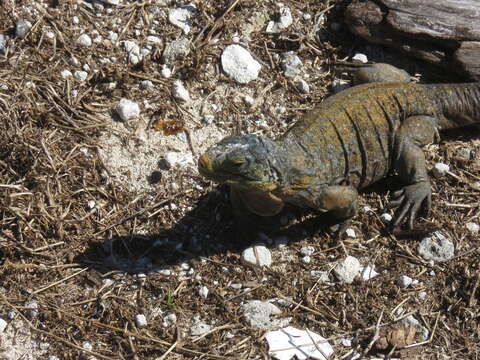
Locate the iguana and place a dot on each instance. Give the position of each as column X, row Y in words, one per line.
column 353, row 139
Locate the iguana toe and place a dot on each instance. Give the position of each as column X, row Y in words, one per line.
column 408, row 202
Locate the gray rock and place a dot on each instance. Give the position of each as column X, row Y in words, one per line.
column 176, row 50
column 440, row 169
column 404, row 281
column 436, row 247
column 257, row 255
column 291, row 64
column 22, row 28
column 80, row 75
column 472, row 227
column 3, row 44
column 307, row 250
column 347, row 270
column 259, row 315
column 239, row 64
column 302, row 86
column 84, row 40
column 422, row 330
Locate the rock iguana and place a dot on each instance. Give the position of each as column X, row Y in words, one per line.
column 353, row 139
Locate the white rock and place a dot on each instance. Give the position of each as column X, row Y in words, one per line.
column 404, row 281
column 302, row 86
column 350, row 233
column 111, row 2
column 66, row 74
column 182, row 17
column 22, row 27
column 153, row 40
column 306, row 259
column 146, row 84
column 284, row 21
column 257, row 255
column 208, row 119
column 239, row 64
column 87, row 346
column 165, row 72
column 436, row 247
column 179, row 91
column 127, row 109
column 203, row 292
column 3, row 325
column 386, row 218
column 307, row 250
column 169, row 320
column 84, row 40
column 50, row 35
column 75, row 20
column 91, row 204
column 440, row 169
column 322, row 276
column 422, row 295
column 140, row 321
column 368, row 272
column 472, row 227
column 347, row 270
column 260, row 315
column 52, row 357
column 80, row 75
column 360, row 57
column 290, row 342
column 291, row 64
column 307, row 16
column 86, row 67
column 422, row 331
column 199, row 328
column 248, row 100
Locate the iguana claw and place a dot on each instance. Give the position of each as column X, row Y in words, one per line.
column 408, row 201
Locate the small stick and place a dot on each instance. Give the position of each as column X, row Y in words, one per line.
column 59, row 281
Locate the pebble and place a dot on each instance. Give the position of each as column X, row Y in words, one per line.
column 84, row 40
column 285, row 19
column 203, row 292
column 80, row 75
column 146, row 84
column 87, row 346
column 368, row 272
column 32, row 309
column 422, row 295
column 66, row 74
column 169, row 320
column 360, row 57
column 472, row 227
column 53, row 357
column 257, row 255
column 127, row 109
column 239, row 64
column 153, row 40
column 465, row 153
column 404, row 281
column 3, row 44
column 22, row 28
column 422, row 331
column 386, row 218
column 281, row 242
column 166, row 72
column 140, row 321
column 307, row 250
column 260, row 315
column 133, row 51
column 185, row 266
column 3, row 325
column 111, row 2
column 91, row 204
column 179, row 91
column 176, row 50
column 440, row 169
column 75, row 20
column 182, row 17
column 350, row 233
column 347, row 270
column 307, row 259
column 436, row 247
column 339, row 85
column 302, row 86
column 208, row 119
column 248, row 100
column 291, row 64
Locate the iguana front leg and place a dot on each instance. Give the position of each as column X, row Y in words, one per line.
column 414, row 133
column 340, row 201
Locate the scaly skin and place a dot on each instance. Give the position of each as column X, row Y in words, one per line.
column 350, row 141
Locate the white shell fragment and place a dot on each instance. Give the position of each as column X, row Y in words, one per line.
column 290, row 342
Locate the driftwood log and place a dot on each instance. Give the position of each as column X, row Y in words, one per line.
column 442, row 32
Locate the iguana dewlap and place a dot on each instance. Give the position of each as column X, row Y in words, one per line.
column 350, row 141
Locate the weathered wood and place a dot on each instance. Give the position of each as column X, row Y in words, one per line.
column 443, row 32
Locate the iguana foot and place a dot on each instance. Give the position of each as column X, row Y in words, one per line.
column 338, row 230
column 408, row 201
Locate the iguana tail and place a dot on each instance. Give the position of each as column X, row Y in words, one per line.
column 460, row 104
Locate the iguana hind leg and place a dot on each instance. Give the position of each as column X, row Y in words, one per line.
column 415, row 132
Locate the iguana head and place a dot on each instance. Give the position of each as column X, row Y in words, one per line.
column 243, row 161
